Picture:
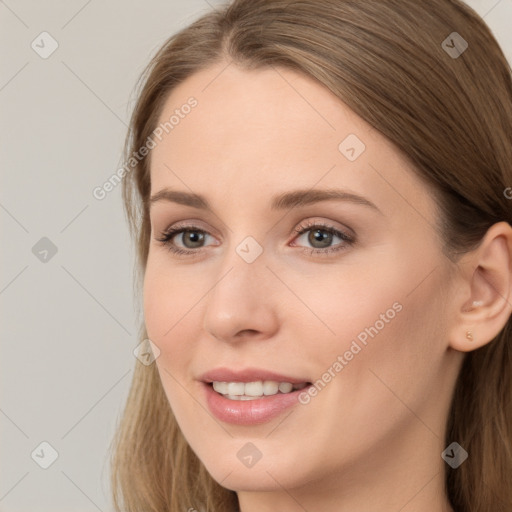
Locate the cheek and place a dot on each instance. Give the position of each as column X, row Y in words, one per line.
column 392, row 341
column 378, row 316
column 167, row 296
column 169, row 304
column 169, row 320
column 381, row 356
column 357, row 325
column 341, row 302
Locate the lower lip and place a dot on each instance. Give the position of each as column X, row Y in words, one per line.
column 249, row 412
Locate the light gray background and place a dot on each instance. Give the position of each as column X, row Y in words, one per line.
column 69, row 325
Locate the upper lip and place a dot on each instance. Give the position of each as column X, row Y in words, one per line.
column 247, row 375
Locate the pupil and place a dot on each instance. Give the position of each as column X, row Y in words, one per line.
column 319, row 237
column 196, row 237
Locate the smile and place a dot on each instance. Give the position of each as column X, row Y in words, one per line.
column 254, row 390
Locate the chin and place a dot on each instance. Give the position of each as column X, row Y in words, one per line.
column 248, row 482
column 263, row 476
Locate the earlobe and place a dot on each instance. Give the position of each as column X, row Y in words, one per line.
column 488, row 282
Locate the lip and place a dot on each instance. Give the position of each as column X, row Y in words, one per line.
column 247, row 375
column 248, row 412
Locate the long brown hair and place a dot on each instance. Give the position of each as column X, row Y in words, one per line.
column 451, row 115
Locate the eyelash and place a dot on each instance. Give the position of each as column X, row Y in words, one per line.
column 169, row 234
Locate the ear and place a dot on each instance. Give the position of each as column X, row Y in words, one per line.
column 484, row 298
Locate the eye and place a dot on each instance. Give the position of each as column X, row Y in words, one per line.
column 191, row 236
column 321, row 237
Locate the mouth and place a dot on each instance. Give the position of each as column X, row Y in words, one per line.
column 252, row 402
column 250, row 395
column 255, row 390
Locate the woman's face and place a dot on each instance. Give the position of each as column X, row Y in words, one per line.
column 357, row 304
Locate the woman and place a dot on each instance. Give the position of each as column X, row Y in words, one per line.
column 320, row 196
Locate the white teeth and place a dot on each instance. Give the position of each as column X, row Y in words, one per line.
column 221, row 387
column 256, row 389
column 236, row 388
column 270, row 387
column 285, row 387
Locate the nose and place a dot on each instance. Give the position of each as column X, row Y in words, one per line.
column 243, row 301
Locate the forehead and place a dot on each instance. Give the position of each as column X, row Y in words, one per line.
column 253, row 131
column 270, row 106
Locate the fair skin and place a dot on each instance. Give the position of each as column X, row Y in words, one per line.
column 371, row 440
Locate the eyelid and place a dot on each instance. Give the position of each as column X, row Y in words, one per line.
column 191, row 225
column 328, row 225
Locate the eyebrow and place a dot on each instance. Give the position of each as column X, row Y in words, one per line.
column 285, row 201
